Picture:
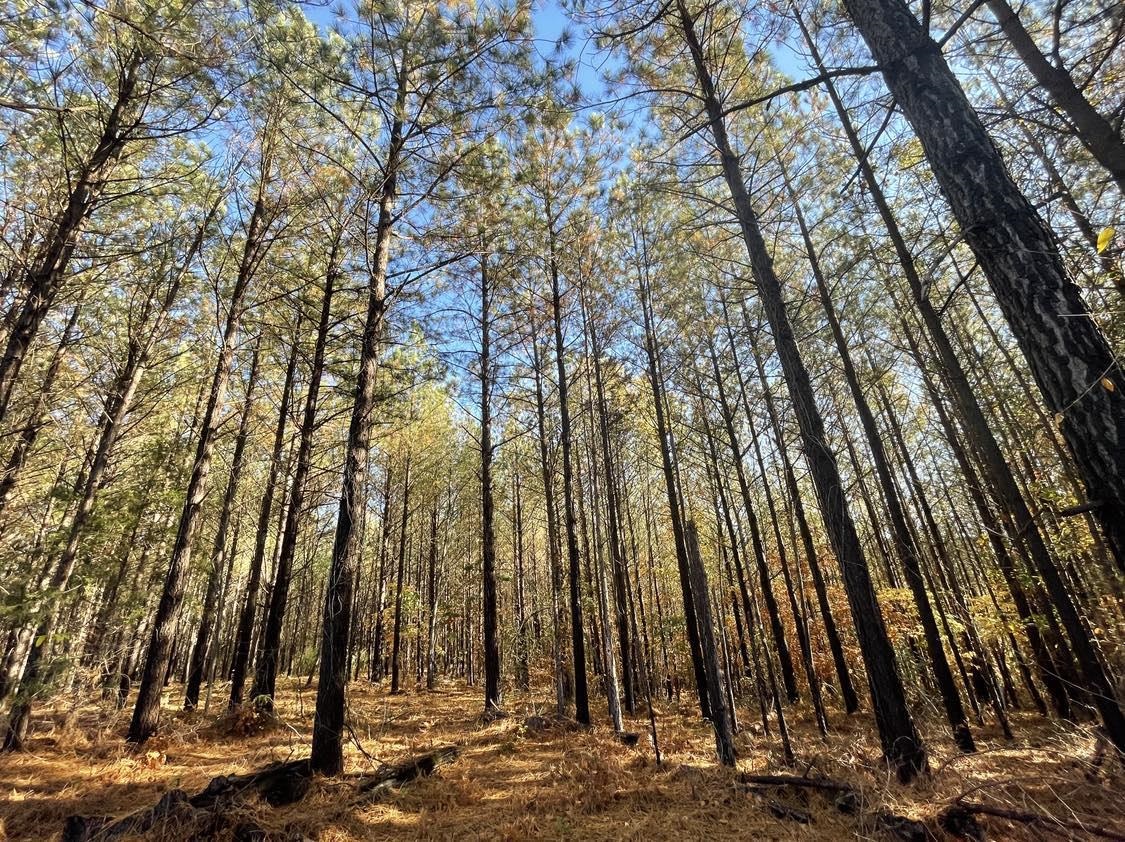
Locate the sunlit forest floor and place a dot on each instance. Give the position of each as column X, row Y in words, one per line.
column 515, row 782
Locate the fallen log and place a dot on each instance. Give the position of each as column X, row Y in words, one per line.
column 82, row 828
column 795, row 780
column 277, row 784
column 373, row 788
column 953, row 815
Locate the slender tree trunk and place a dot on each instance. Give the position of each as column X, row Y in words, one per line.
column 581, row 695
column 432, row 606
column 246, row 620
column 46, row 271
column 781, row 646
column 328, row 724
column 487, row 505
column 396, row 635
column 1096, row 132
column 901, row 743
column 146, row 713
column 563, row 684
column 201, row 650
column 843, row 674
column 613, row 526
column 720, row 714
column 38, row 416
column 905, row 545
column 674, row 512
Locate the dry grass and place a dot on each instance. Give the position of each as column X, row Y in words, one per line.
column 510, row 783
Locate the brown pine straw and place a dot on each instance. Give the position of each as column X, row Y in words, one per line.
column 550, row 782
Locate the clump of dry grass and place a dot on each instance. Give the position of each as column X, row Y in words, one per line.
column 516, row 780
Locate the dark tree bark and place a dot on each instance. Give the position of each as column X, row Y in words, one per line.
column 901, row 743
column 46, row 271
column 240, row 663
column 146, row 713
column 201, row 649
column 578, row 644
column 835, row 646
column 777, row 631
column 563, row 684
column 663, row 436
column 1081, row 381
column 613, row 525
column 490, row 617
column 328, row 724
column 396, row 632
column 264, row 686
column 720, row 713
column 1096, row 132
column 1067, row 354
column 905, row 546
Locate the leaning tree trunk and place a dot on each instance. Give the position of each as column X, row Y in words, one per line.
column 47, row 270
column 1081, row 381
column 1096, row 132
column 656, row 382
column 38, row 417
column 905, row 546
column 1068, row 356
column 264, row 685
column 245, row 630
column 146, row 713
column 900, row 740
column 201, row 650
column 720, row 714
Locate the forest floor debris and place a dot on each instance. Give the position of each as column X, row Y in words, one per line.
column 516, row 781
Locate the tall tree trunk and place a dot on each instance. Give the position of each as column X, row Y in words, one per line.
column 1096, row 132
column 1042, row 306
column 901, row 743
column 201, row 651
column 777, row 631
column 38, row 416
column 246, row 620
column 613, row 526
column 663, row 435
column 146, row 713
column 905, row 546
column 578, row 644
column 563, row 684
column 490, row 616
column 264, row 686
column 720, row 714
column 1081, row 381
column 328, row 725
column 396, row 634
